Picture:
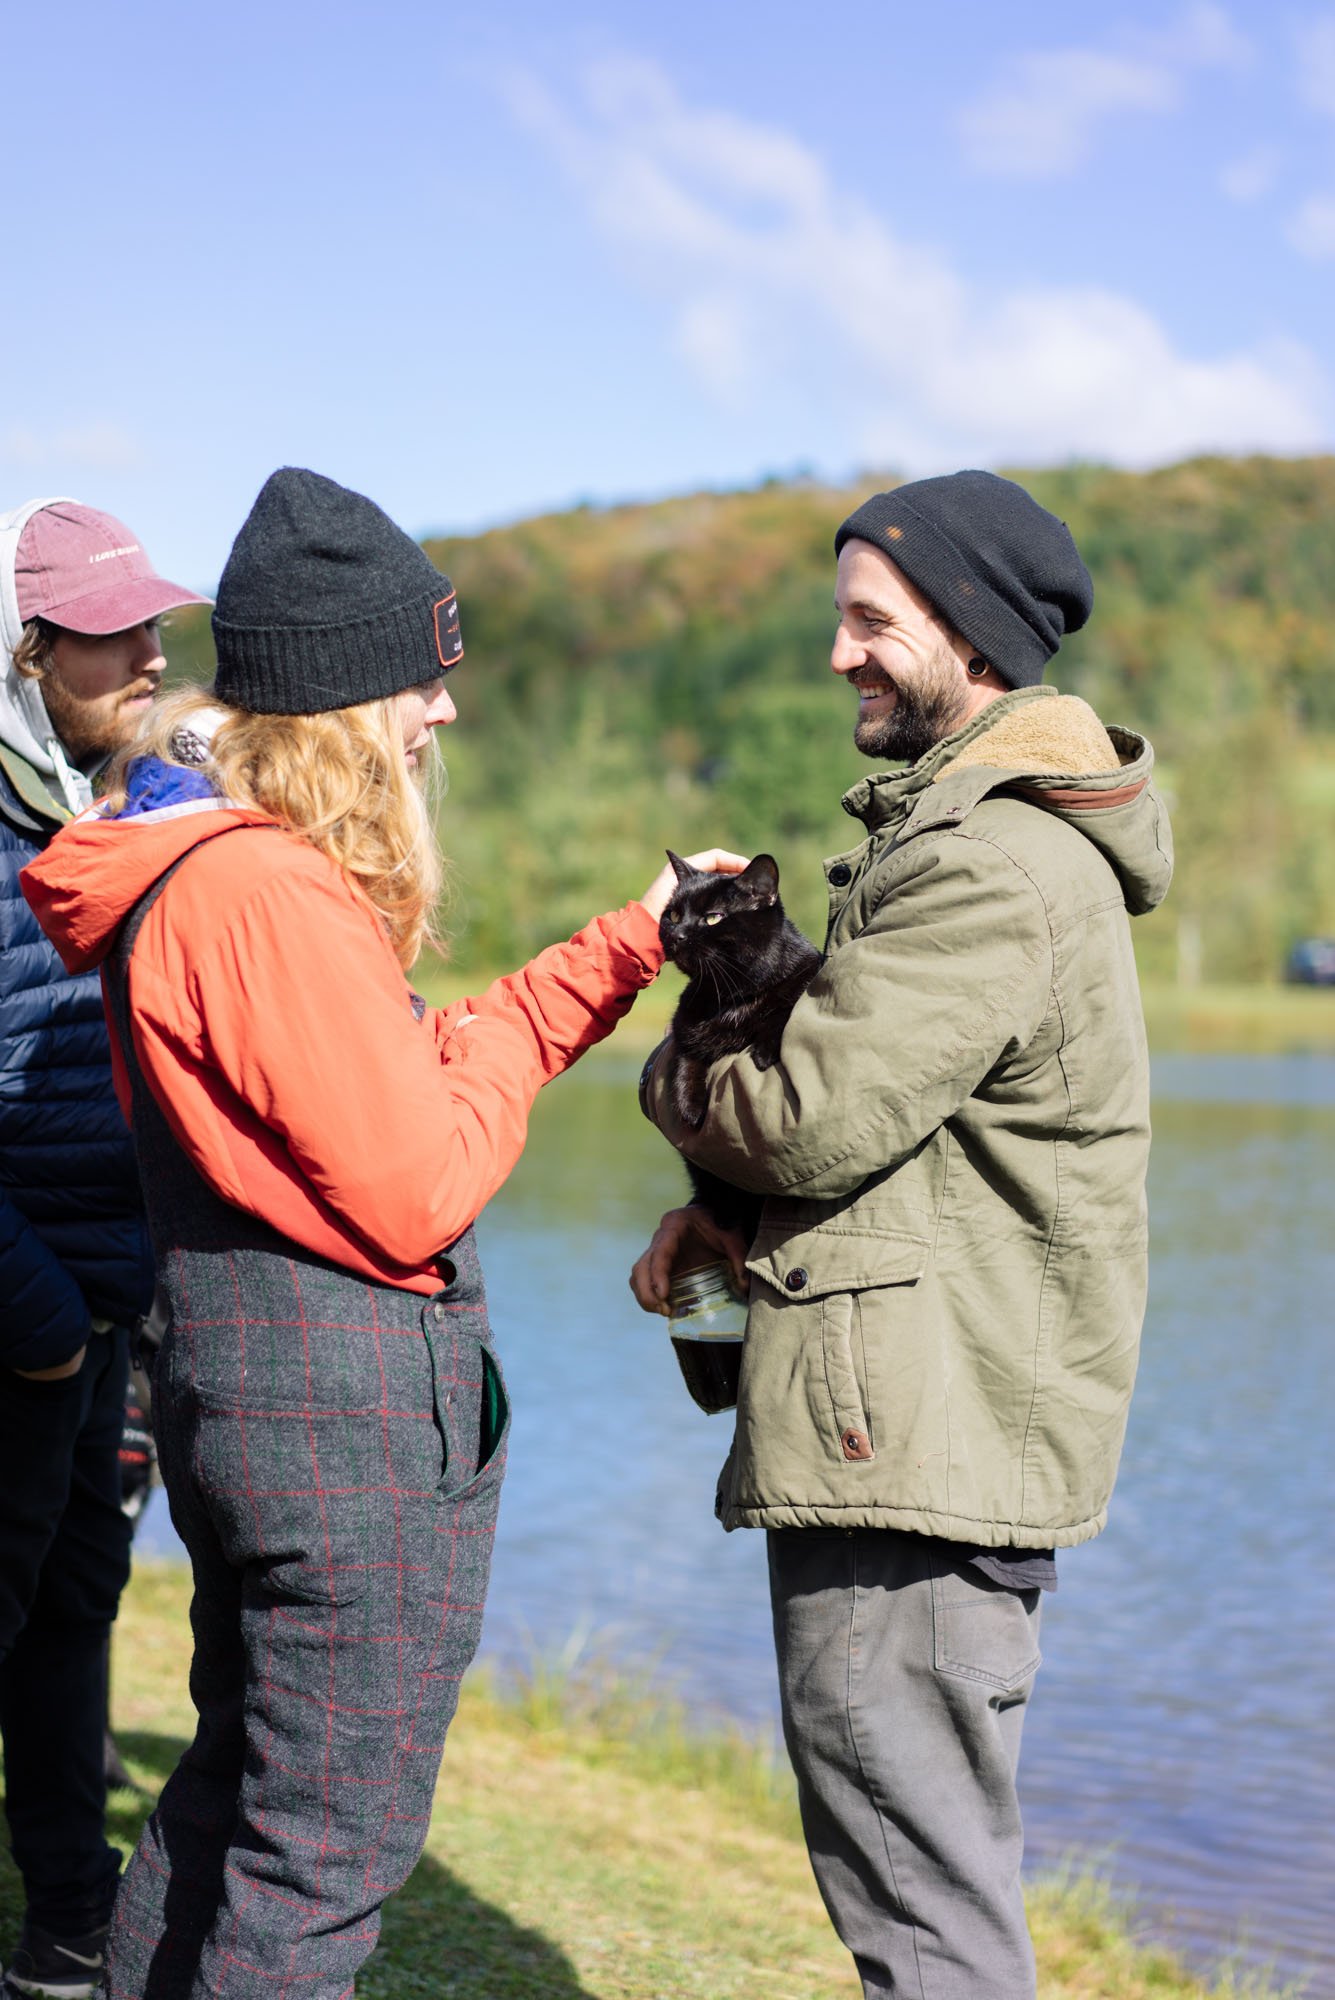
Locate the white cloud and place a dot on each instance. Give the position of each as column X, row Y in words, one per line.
column 94, row 447
column 771, row 274
column 713, row 337
column 1311, row 230
column 1252, row 175
column 1043, row 117
column 1316, row 63
column 1202, row 37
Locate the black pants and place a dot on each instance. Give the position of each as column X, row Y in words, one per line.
column 64, row 1560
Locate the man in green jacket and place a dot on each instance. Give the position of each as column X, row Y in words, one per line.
column 948, row 1280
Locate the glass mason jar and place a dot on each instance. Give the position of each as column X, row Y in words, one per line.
column 706, row 1324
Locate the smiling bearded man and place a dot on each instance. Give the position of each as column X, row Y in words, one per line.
column 947, row 1283
column 924, row 710
column 79, row 605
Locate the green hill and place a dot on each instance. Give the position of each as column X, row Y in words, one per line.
column 653, row 675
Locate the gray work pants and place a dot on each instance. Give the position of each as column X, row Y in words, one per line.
column 904, row 1674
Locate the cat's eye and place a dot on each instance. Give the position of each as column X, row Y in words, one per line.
column 669, row 917
column 713, row 916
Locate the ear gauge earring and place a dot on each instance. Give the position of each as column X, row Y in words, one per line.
column 977, row 667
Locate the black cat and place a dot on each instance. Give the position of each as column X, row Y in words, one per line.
column 746, row 964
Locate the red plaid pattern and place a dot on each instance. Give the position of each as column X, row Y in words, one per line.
column 333, row 1453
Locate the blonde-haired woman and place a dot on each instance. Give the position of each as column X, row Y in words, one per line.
column 315, row 1144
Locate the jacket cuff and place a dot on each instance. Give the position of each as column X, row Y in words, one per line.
column 635, row 933
column 47, row 1346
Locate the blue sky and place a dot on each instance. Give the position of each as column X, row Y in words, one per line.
column 482, row 262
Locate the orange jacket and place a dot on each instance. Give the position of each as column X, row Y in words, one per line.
column 276, row 1029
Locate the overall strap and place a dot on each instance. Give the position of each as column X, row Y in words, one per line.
column 184, row 1211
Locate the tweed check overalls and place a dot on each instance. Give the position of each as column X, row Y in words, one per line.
column 333, row 1451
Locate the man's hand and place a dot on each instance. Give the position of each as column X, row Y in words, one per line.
column 685, row 1238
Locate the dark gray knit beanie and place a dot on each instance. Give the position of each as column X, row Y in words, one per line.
column 324, row 603
column 999, row 568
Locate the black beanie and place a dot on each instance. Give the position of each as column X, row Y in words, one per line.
column 324, row 603
column 999, row 568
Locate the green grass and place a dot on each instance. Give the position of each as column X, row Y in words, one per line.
column 1237, row 1020
column 587, row 1844
column 1241, row 1020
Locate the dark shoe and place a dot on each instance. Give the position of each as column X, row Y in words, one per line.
column 54, row 1968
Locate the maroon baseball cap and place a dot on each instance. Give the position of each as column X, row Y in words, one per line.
column 86, row 572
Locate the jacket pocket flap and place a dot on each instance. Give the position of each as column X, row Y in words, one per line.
column 803, row 1264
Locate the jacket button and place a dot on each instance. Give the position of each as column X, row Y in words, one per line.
column 437, row 1312
column 796, row 1279
column 841, row 874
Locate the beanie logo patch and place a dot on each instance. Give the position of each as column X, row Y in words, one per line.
column 449, row 644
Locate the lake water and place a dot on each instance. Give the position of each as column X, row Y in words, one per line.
column 1183, row 1728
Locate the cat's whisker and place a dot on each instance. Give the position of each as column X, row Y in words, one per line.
column 727, row 983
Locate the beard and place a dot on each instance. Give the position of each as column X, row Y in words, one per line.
column 926, row 709
column 94, row 729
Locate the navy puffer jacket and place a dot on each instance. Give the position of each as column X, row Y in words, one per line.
column 73, row 1241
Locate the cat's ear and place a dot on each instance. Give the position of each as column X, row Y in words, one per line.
column 761, row 878
column 681, row 869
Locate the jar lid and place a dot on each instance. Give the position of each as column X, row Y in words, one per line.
column 707, row 1285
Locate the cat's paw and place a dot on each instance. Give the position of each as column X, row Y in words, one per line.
column 689, row 1102
column 690, row 1095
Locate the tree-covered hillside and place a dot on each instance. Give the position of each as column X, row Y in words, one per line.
column 640, row 676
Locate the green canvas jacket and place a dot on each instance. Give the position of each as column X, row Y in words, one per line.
column 949, row 1277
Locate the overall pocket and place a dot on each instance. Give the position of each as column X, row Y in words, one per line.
column 470, row 1405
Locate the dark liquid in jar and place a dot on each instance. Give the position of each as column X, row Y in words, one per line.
column 711, row 1370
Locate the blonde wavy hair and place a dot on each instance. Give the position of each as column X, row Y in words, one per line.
column 340, row 779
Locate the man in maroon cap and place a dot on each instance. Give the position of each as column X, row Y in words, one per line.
column 79, row 667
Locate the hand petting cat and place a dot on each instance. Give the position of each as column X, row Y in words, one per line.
column 715, row 861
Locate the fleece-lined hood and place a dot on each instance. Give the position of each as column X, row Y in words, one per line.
column 1052, row 750
column 25, row 726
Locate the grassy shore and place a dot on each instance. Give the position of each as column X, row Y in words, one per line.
column 1237, row 1020
column 586, row 1846
column 1241, row 1020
